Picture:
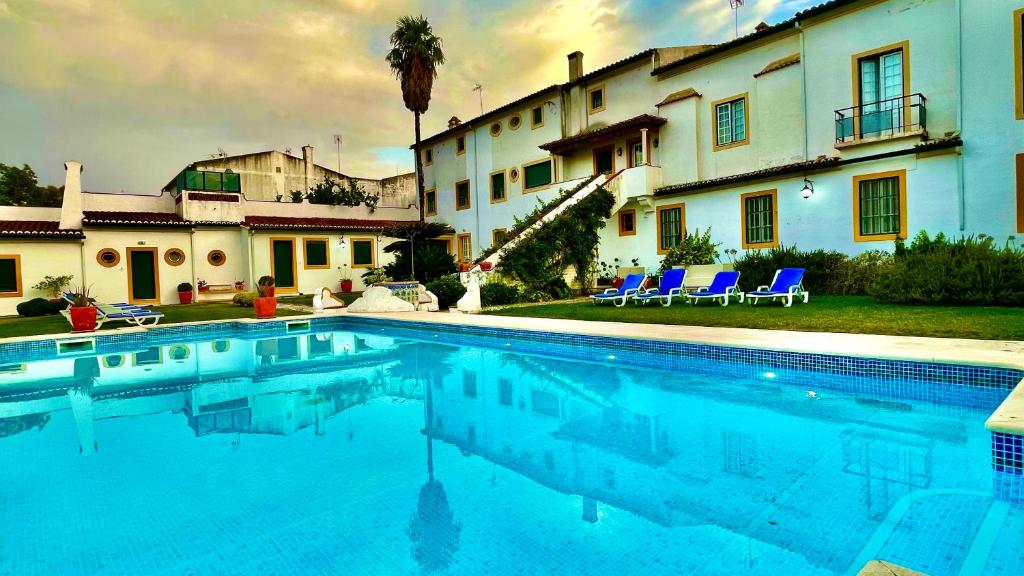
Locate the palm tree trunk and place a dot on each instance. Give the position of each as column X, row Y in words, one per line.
column 421, row 199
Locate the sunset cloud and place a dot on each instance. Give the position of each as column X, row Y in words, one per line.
column 137, row 89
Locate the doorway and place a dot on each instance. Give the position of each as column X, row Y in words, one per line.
column 282, row 264
column 143, row 276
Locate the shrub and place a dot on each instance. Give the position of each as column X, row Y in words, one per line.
column 244, row 299
column 432, row 261
column 184, row 287
column 496, row 293
column 968, row 271
column 52, row 286
column 448, row 290
column 263, row 286
column 757, row 267
column 694, row 249
column 856, row 275
column 40, row 307
column 375, row 276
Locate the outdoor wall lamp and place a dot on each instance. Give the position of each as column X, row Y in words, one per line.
column 341, row 242
column 808, row 190
column 620, row 151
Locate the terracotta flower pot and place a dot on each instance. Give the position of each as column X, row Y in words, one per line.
column 465, row 267
column 185, row 297
column 266, row 306
column 617, row 282
column 485, row 266
column 346, row 286
column 83, row 318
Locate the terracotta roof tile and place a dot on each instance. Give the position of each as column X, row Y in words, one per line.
column 779, row 64
column 680, row 95
column 289, row 223
column 635, row 123
column 35, row 229
column 162, row 219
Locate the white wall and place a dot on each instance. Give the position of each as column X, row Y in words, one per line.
column 309, row 279
column 38, row 260
column 111, row 284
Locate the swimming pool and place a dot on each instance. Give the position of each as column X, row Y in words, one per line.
column 375, row 447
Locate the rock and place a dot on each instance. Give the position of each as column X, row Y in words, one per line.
column 470, row 302
column 427, row 300
column 380, row 299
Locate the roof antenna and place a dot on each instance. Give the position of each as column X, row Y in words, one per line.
column 735, row 6
column 479, row 88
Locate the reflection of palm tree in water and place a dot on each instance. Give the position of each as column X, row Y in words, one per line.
column 432, row 529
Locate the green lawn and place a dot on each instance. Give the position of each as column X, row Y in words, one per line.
column 11, row 326
column 859, row 314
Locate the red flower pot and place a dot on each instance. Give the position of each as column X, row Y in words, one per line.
column 266, row 306
column 485, row 266
column 185, row 297
column 346, row 286
column 465, row 266
column 83, row 318
column 617, row 282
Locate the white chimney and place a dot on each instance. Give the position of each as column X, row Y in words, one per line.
column 71, row 206
column 575, row 66
column 307, row 157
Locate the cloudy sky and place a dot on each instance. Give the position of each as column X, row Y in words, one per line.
column 136, row 89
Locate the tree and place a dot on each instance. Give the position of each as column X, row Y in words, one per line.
column 414, row 57
column 20, row 187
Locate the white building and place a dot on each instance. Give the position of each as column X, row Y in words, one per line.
column 902, row 115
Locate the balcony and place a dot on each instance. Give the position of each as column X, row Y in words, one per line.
column 207, row 181
column 882, row 120
column 637, row 183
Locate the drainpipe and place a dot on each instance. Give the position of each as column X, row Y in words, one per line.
column 81, row 257
column 476, row 180
column 192, row 256
column 960, row 195
column 803, row 87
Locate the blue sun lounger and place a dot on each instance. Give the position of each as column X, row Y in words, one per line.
column 786, row 285
column 723, row 287
column 619, row 296
column 670, row 286
column 132, row 316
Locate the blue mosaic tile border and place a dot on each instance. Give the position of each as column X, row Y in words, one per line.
column 1008, row 453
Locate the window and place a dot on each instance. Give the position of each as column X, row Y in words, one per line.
column 460, row 145
column 881, row 80
column 671, row 224
column 495, row 128
column 604, row 160
column 462, row 200
column 216, row 258
column 1018, row 60
column 363, row 253
column 498, row 186
column 513, row 175
column 465, row 247
column 174, row 257
column 108, row 257
column 515, row 122
column 595, row 99
column 428, row 156
column 449, row 244
column 469, row 384
column 537, row 117
column 627, row 223
column 1020, row 192
column 505, row 392
column 148, row 357
column 760, row 219
column 538, row 175
column 178, row 352
column 220, row 346
column 636, row 153
column 879, row 206
column 499, row 236
column 10, row 276
column 113, row 361
column 431, row 207
column 319, row 346
column 730, row 122
column 315, row 253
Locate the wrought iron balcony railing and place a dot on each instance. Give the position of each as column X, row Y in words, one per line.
column 885, row 118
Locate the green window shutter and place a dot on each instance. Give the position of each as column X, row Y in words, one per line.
column 462, row 194
column 498, row 186
column 193, row 180
column 537, row 175
column 8, row 275
column 316, row 253
column 362, row 253
column 212, row 181
column 432, row 202
column 671, row 227
column 760, row 215
column 232, row 182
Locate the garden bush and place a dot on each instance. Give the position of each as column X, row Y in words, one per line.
column 496, row 293
column 244, row 299
column 40, row 307
column 695, row 249
column 969, row 271
column 448, row 290
column 432, row 261
column 757, row 267
column 857, row 275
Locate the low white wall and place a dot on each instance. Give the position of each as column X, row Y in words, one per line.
column 25, row 213
column 103, row 202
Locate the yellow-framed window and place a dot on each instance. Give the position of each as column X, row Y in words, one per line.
column 880, row 206
column 1018, row 61
column 10, row 276
column 428, row 156
column 759, row 219
column 538, row 175
column 363, row 253
column 463, row 198
column 499, row 186
column 460, row 145
column 597, row 98
column 430, row 202
column 316, row 253
column 464, row 244
column 627, row 222
column 537, row 116
column 499, row 236
column 730, row 118
column 671, row 220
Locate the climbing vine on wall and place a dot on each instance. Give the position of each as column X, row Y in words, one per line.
column 540, row 259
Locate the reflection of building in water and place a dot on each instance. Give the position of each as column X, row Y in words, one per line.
column 745, row 457
column 274, row 386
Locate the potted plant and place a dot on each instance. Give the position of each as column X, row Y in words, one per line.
column 265, row 303
column 185, row 293
column 346, row 280
column 465, row 266
column 239, row 285
column 486, row 266
column 203, row 286
column 83, row 313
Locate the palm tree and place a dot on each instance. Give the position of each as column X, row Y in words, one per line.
column 414, row 57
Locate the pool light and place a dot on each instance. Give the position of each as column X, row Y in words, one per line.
column 769, row 375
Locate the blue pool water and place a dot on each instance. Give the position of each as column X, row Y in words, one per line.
column 370, row 449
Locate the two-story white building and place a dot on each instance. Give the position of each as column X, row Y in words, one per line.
column 850, row 125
